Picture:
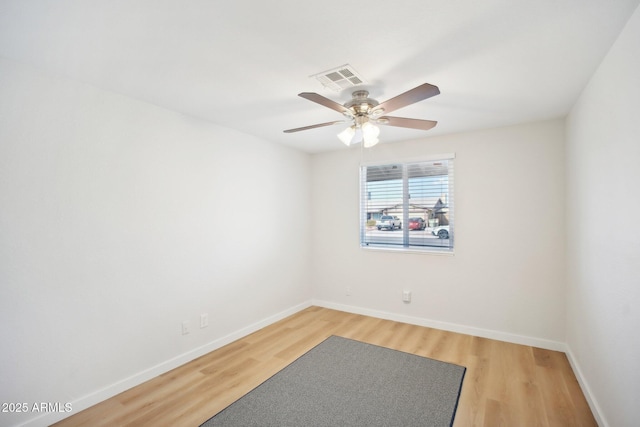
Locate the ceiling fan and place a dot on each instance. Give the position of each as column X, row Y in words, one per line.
column 363, row 113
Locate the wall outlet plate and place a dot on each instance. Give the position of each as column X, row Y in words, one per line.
column 204, row 320
column 406, row 296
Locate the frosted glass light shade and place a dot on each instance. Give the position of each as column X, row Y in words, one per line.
column 346, row 136
column 370, row 134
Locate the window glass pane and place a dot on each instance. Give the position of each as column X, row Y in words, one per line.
column 383, row 201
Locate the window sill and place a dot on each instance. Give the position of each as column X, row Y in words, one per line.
column 426, row 251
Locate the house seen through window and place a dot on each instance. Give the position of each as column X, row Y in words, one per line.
column 407, row 205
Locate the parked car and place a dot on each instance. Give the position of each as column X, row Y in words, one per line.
column 389, row 222
column 417, row 224
column 441, row 231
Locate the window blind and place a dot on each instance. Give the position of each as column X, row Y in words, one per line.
column 408, row 205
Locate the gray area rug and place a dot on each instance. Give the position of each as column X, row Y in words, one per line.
column 342, row 382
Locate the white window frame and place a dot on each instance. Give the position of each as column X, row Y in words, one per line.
column 414, row 242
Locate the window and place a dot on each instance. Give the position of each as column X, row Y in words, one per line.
column 408, row 205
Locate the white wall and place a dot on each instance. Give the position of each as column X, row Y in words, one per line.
column 603, row 229
column 506, row 279
column 118, row 221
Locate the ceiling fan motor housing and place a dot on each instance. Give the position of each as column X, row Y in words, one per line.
column 361, row 104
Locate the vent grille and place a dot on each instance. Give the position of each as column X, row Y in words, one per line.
column 339, row 78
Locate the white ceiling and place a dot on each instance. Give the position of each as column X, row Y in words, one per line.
column 241, row 63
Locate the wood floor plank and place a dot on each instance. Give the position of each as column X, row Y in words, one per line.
column 505, row 384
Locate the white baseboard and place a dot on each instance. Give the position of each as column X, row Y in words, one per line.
column 452, row 327
column 137, row 379
column 586, row 390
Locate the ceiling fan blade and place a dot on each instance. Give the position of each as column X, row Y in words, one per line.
column 414, row 95
column 314, row 126
column 406, row 123
column 319, row 99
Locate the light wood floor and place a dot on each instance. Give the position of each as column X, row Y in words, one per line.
column 505, row 384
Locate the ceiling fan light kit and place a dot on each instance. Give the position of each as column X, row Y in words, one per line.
column 363, row 114
column 361, row 131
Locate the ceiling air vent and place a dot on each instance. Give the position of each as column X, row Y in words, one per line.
column 339, row 78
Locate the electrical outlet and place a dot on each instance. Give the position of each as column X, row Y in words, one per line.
column 406, row 296
column 185, row 327
column 204, row 320
column 349, row 291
